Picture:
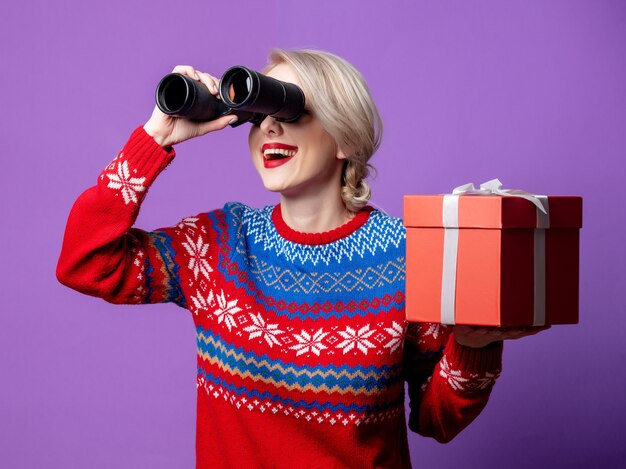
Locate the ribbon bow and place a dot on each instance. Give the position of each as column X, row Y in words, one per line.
column 494, row 187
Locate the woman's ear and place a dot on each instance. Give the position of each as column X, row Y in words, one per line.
column 340, row 154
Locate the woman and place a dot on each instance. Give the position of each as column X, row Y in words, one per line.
column 303, row 349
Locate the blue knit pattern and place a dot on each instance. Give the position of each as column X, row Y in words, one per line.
column 299, row 273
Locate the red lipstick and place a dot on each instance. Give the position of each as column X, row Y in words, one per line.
column 277, row 145
column 276, row 154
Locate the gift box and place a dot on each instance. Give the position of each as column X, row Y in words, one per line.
column 492, row 257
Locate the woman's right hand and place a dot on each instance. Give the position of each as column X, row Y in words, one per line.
column 169, row 130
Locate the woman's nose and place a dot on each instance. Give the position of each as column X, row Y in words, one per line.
column 270, row 126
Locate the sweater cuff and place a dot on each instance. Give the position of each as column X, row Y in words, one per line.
column 147, row 156
column 472, row 360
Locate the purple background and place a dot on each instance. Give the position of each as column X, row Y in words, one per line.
column 532, row 92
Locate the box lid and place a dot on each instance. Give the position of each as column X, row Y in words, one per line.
column 492, row 211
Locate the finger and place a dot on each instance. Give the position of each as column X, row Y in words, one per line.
column 482, row 331
column 217, row 124
column 525, row 332
column 531, row 331
column 187, row 70
column 209, row 81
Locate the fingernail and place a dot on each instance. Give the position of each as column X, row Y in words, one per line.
column 196, row 75
column 233, row 120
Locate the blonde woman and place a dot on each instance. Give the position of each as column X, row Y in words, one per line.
column 303, row 349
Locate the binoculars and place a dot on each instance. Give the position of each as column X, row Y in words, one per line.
column 249, row 95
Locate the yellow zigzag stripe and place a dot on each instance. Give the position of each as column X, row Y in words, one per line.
column 282, row 384
column 276, row 366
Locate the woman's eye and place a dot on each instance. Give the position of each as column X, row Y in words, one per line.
column 305, row 113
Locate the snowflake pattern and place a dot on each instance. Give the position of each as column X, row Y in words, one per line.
column 307, row 343
column 396, row 331
column 226, row 310
column 434, row 329
column 482, row 383
column 259, row 328
column 189, row 222
column 453, row 377
column 129, row 186
column 358, row 339
column 197, row 252
column 310, row 415
column 202, row 303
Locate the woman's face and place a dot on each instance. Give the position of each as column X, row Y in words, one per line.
column 297, row 158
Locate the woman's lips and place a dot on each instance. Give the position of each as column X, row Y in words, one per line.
column 276, row 154
column 275, row 163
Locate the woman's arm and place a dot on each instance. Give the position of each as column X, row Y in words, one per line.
column 449, row 384
column 101, row 254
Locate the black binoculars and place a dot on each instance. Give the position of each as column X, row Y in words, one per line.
column 245, row 93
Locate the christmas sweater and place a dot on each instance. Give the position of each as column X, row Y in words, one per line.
column 303, row 350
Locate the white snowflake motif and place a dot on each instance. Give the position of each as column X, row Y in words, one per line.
column 356, row 338
column 484, row 382
column 261, row 329
column 189, row 222
column 396, row 331
column 434, row 330
column 202, row 303
column 226, row 310
column 306, row 343
column 128, row 185
column 454, row 378
column 197, row 251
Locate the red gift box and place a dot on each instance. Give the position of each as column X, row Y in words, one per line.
column 482, row 260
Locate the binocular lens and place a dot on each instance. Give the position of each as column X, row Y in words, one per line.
column 174, row 93
column 179, row 95
column 243, row 89
column 240, row 86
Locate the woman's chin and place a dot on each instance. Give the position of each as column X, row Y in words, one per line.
column 275, row 186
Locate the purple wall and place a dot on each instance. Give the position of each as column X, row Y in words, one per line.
column 532, row 92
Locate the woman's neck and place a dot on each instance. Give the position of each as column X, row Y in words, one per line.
column 316, row 213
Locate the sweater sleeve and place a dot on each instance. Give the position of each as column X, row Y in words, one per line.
column 449, row 384
column 102, row 255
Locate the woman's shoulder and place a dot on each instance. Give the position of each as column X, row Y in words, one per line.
column 241, row 218
column 238, row 212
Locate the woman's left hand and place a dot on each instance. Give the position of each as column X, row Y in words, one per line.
column 478, row 336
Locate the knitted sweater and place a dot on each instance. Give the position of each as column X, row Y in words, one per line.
column 303, row 348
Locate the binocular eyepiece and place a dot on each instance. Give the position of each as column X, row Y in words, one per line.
column 249, row 95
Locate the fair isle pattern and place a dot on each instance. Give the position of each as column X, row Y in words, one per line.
column 371, row 282
column 470, row 382
column 215, row 352
column 282, row 279
column 342, row 406
column 421, row 333
column 120, row 179
column 143, row 269
column 381, row 338
column 161, row 242
column 376, row 236
column 255, row 351
column 296, row 410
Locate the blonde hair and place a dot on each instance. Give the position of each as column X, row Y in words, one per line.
column 338, row 95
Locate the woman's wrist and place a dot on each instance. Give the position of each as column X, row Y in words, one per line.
column 158, row 138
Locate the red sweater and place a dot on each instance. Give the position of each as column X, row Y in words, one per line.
column 303, row 349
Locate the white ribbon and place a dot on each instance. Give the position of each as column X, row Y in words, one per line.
column 450, row 218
